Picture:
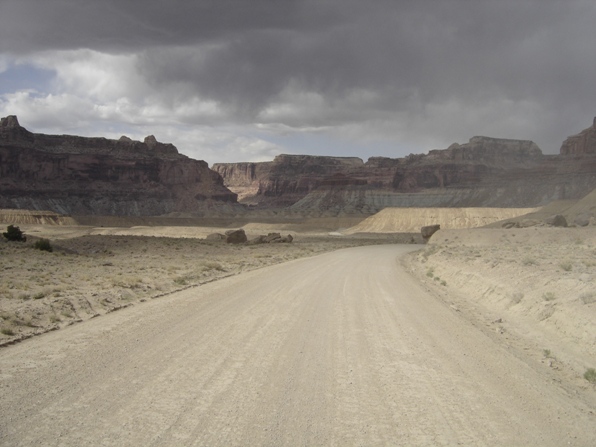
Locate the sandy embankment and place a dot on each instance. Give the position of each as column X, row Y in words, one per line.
column 392, row 220
column 537, row 283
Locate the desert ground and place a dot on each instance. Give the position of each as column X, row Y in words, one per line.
column 97, row 270
column 483, row 336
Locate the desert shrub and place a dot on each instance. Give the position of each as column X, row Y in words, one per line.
column 211, row 265
column 7, row 331
column 590, row 375
column 14, row 234
column 517, row 297
column 566, row 265
column 588, row 297
column 43, row 245
column 529, row 261
column 430, row 272
column 181, row 281
column 548, row 296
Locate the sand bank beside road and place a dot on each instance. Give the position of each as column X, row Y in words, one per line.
column 537, row 283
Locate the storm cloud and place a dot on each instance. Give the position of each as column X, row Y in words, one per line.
column 241, row 80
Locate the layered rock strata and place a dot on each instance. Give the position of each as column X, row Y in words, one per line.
column 485, row 172
column 77, row 175
column 581, row 144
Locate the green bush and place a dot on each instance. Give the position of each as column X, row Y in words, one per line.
column 43, row 245
column 14, row 234
column 590, row 375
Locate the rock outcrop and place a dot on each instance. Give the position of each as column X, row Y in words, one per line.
column 581, row 144
column 34, row 217
column 77, row 175
column 485, row 172
column 428, row 230
column 287, row 178
column 236, row 236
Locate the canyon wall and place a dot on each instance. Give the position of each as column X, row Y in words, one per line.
column 98, row 176
column 584, row 143
column 485, row 172
column 77, row 175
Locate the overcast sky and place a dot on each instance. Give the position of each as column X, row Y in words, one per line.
column 245, row 80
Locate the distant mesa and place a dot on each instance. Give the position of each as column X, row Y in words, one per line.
column 76, row 175
column 484, row 172
column 79, row 175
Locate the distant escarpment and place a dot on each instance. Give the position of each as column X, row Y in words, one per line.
column 485, row 172
column 584, row 143
column 78, row 175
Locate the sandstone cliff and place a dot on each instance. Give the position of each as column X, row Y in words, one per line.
column 481, row 173
column 581, row 144
column 78, row 175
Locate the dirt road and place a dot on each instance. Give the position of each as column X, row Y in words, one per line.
column 341, row 349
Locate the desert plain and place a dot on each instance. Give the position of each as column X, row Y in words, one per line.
column 481, row 336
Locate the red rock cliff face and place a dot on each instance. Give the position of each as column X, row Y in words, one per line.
column 287, row 178
column 483, row 172
column 76, row 175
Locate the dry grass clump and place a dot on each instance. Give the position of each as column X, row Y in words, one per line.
column 588, row 297
column 566, row 265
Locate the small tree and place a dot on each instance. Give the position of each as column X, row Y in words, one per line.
column 43, row 245
column 14, row 234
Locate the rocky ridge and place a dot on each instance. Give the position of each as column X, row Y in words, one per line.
column 485, row 172
column 78, row 175
column 581, row 144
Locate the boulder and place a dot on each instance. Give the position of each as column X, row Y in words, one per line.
column 272, row 237
column 557, row 220
column 582, row 220
column 429, row 230
column 236, row 237
column 258, row 240
column 527, row 223
column 215, row 237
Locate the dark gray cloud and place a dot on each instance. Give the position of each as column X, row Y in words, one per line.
column 412, row 72
column 116, row 25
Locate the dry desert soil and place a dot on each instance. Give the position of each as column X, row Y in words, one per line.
column 480, row 337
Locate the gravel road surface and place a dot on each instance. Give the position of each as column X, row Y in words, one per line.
column 343, row 349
